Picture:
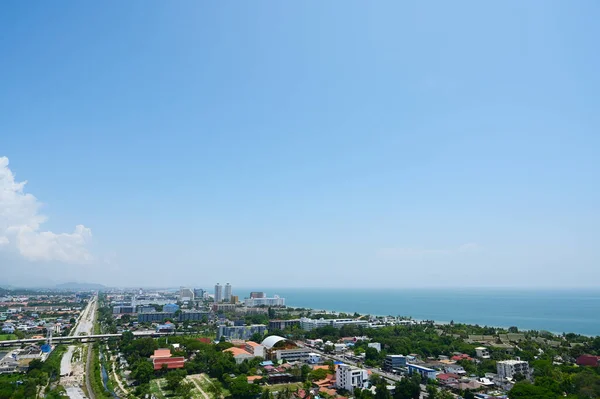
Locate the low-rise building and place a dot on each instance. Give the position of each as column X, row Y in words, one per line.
column 274, row 301
column 254, row 348
column 339, row 347
column 455, row 369
column 283, row 324
column 165, row 328
column 314, row 358
column 153, row 317
column 350, row 378
column 508, row 368
column 239, row 354
column 170, row 308
column 482, row 352
column 375, row 345
column 168, row 363
column 425, row 372
column 224, row 307
column 588, row 360
column 291, row 355
column 308, row 324
column 127, row 309
column 240, row 332
column 394, row 362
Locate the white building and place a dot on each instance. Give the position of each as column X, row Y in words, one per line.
column 256, row 349
column 375, row 345
column 339, row 347
column 425, row 372
column 455, row 369
column 310, row 324
column 275, row 301
column 218, row 293
column 186, row 294
column 227, row 295
column 508, row 368
column 349, row 377
column 482, row 352
column 314, row 358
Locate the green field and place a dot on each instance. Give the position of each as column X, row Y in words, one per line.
column 7, row 337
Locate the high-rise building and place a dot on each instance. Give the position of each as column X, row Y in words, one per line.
column 198, row 293
column 227, row 295
column 218, row 293
column 186, row 294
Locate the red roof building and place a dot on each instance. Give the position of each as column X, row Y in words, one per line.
column 462, row 356
column 588, row 360
column 448, row 377
column 171, row 362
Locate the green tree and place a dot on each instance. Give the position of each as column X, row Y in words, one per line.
column 142, row 371
column 526, row 390
column 407, row 388
column 174, row 379
column 468, row 395
column 241, row 389
column 432, row 392
column 381, row 391
column 185, row 390
column 216, row 389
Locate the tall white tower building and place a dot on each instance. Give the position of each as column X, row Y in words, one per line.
column 218, row 293
column 227, row 296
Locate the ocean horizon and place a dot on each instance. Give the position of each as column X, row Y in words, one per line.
column 555, row 310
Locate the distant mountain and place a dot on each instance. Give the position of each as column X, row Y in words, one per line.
column 79, row 286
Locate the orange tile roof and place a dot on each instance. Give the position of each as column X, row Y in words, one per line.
column 320, row 367
column 237, row 351
column 253, row 378
column 161, row 353
column 252, row 343
column 330, row 392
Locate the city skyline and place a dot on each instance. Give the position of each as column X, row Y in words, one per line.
column 300, row 145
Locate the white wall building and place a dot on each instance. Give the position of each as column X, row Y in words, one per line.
column 310, row 324
column 186, row 294
column 218, row 293
column 375, row 345
column 227, row 294
column 339, row 347
column 274, row 301
column 508, row 368
column 256, row 349
column 482, row 352
column 314, row 358
column 349, row 377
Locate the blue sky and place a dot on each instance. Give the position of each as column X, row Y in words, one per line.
column 300, row 144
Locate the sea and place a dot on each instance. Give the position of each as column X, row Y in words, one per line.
column 557, row 311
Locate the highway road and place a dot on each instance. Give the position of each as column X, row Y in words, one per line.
column 72, row 374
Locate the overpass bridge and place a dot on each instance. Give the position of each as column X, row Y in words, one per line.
column 80, row 338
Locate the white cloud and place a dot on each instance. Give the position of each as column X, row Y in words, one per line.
column 20, row 223
column 397, row 253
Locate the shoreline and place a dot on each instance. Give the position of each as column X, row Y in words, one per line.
column 438, row 322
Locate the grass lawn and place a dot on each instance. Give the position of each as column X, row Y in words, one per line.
column 205, row 381
column 7, row 337
column 157, row 388
column 278, row 387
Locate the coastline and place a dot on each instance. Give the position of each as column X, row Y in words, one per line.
column 558, row 312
